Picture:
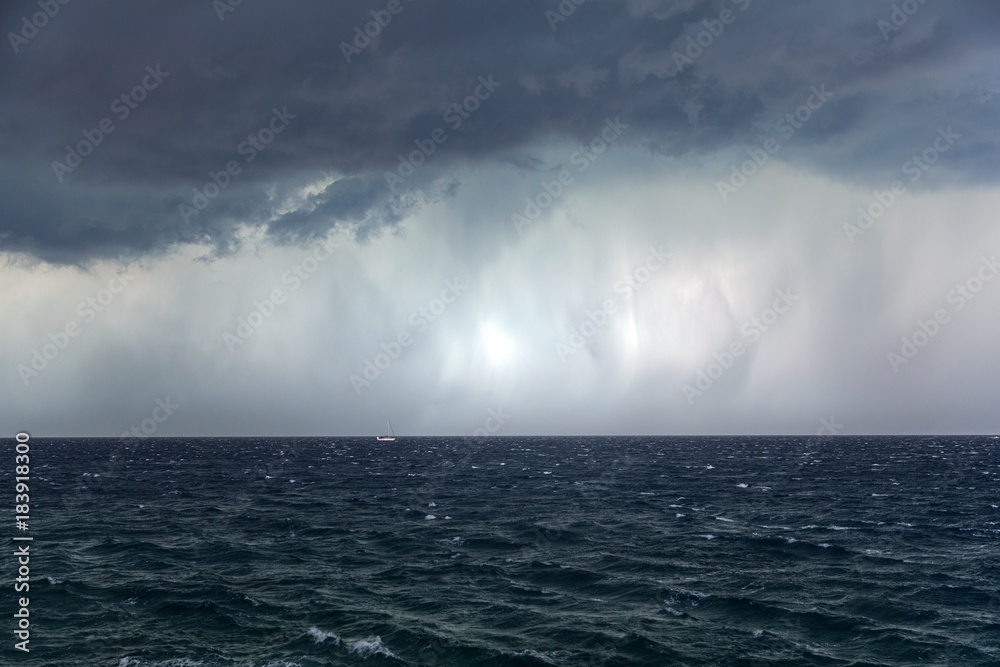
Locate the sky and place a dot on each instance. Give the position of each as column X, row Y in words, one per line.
column 510, row 218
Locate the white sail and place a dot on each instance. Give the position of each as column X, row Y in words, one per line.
column 391, row 436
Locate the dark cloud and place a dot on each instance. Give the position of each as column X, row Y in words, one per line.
column 892, row 90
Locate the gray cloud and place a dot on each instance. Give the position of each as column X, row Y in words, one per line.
column 354, row 119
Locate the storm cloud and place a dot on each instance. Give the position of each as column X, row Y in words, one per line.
column 536, row 150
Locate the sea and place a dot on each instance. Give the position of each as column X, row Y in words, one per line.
column 520, row 551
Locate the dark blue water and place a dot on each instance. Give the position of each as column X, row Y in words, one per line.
column 512, row 551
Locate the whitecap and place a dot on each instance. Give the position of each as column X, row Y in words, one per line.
column 319, row 636
column 54, row 581
column 429, row 517
column 371, row 646
column 129, row 661
column 708, row 537
column 742, row 485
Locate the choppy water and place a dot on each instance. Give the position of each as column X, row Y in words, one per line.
column 513, row 551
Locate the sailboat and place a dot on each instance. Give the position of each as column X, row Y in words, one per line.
column 387, row 438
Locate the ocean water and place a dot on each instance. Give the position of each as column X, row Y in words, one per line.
column 274, row 552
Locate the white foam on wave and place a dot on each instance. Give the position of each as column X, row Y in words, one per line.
column 319, row 636
column 53, row 581
column 371, row 646
column 742, row 485
column 722, row 518
column 129, row 661
column 681, row 516
column 708, row 537
column 528, row 653
column 669, row 608
column 429, row 517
